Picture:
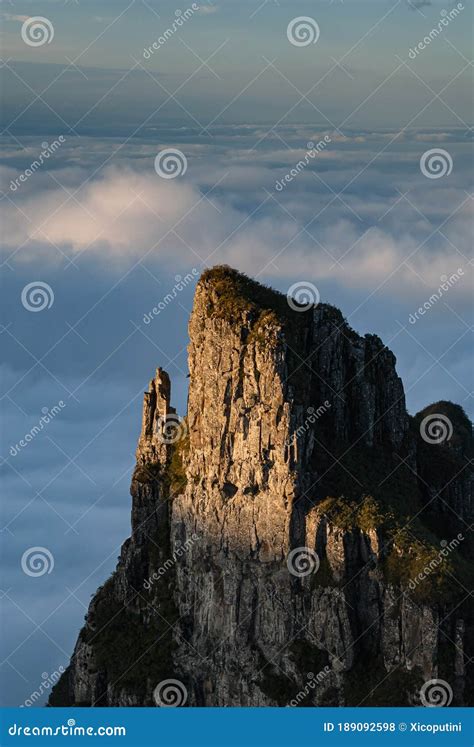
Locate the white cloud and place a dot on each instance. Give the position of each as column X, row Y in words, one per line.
column 343, row 219
column 13, row 17
column 208, row 9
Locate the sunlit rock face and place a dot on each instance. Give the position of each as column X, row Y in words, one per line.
column 279, row 530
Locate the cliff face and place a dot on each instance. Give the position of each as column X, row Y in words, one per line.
column 279, row 531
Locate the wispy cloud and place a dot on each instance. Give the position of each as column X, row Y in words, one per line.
column 208, row 9
column 13, row 17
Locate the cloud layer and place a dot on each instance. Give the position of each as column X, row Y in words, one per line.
column 109, row 236
column 336, row 220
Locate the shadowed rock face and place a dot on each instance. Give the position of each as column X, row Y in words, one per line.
column 296, row 436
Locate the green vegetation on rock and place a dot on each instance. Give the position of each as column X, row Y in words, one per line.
column 115, row 628
column 415, row 560
column 176, row 470
column 263, row 311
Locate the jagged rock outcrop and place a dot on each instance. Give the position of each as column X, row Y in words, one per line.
column 279, row 531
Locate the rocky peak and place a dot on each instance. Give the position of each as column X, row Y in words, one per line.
column 153, row 444
column 281, row 524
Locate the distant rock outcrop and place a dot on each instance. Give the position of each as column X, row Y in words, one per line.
column 297, row 538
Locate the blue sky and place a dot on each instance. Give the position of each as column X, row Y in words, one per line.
column 360, row 44
column 110, row 236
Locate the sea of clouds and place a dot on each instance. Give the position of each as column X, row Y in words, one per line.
column 111, row 238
